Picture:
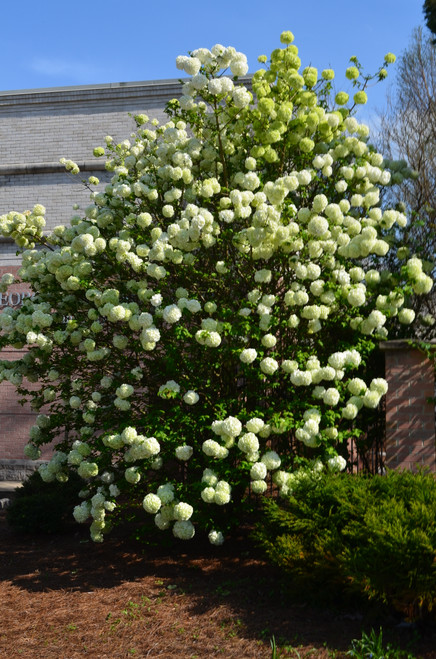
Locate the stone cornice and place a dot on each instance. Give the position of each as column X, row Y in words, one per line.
column 405, row 344
column 49, row 167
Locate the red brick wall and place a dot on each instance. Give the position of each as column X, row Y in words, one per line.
column 15, row 419
column 410, row 416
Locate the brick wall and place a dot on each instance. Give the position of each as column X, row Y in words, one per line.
column 410, row 415
column 38, row 127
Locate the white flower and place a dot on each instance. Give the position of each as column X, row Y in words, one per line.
column 289, row 366
column 122, row 404
column 193, row 306
column 338, row 463
column 209, row 324
column 191, row 397
column 231, row 426
column 318, row 226
column 114, row 490
column 263, row 276
column 182, row 511
column 271, row 460
column 371, row 399
column 106, row 381
column 221, row 267
column 206, row 338
column 215, row 537
column 132, row 475
column 124, row 391
column 241, row 97
column 248, row 443
column 331, row 432
column 32, row 452
column 171, row 314
column 331, row 396
column 269, row 341
column 301, row 378
column 184, row 530
column 406, row 316
column 258, row 471
column 212, row 448
column 379, row 385
column 214, row 86
column 191, row 65
column 208, row 494
column 356, row 387
column 166, row 493
column 210, row 307
column 87, row 469
column 184, row 452
column 349, row 411
column 151, row 447
column 129, row 435
column 209, row 477
column 152, row 503
column 81, row 513
column 254, row 425
column 259, row 486
column 356, row 296
column 248, row 355
column 161, row 523
column 268, row 365
column 221, row 497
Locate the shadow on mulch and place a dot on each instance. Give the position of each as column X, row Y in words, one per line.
column 232, row 579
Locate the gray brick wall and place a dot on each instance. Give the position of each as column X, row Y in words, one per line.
column 39, row 127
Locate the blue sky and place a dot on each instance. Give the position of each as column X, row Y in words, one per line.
column 52, row 43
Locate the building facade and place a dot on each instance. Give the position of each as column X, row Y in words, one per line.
column 37, row 128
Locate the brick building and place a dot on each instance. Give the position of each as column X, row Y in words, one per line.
column 37, row 128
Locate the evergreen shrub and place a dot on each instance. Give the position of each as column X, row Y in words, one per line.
column 40, row 507
column 370, row 537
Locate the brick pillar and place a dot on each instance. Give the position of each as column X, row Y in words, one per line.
column 15, row 419
column 410, row 417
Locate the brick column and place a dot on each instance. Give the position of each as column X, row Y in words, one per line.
column 15, row 419
column 410, row 417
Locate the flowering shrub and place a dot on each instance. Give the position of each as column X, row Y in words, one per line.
column 214, row 301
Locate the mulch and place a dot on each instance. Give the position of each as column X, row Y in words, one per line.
column 65, row 597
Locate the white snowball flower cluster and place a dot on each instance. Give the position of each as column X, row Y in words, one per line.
column 214, row 450
column 191, row 397
column 338, row 463
column 248, row 355
column 268, row 365
column 184, row 530
column 184, row 452
column 172, row 313
column 152, row 503
column 220, row 493
column 216, row 537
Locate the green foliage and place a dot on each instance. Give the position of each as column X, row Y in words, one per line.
column 366, row 537
column 429, row 9
column 40, row 507
column 371, row 646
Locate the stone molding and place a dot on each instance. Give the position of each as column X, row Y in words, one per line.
column 49, row 168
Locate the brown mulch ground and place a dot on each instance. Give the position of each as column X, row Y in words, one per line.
column 65, row 597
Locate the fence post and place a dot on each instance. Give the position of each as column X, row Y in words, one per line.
column 410, row 415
